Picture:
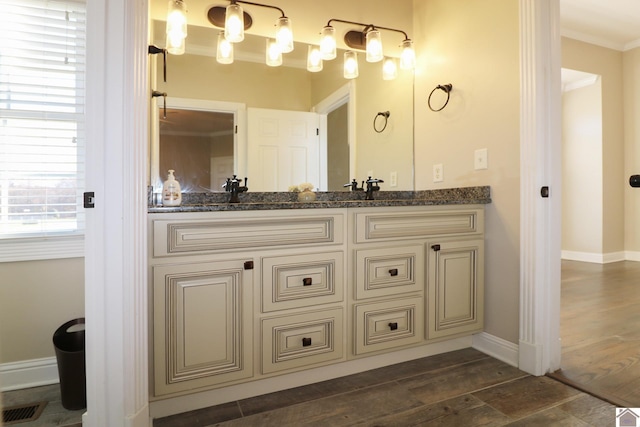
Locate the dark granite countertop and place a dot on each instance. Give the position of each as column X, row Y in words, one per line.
column 206, row 202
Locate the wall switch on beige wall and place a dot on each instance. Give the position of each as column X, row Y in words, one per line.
column 481, row 160
column 438, row 173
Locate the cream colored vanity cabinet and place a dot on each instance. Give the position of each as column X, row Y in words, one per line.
column 418, row 274
column 241, row 295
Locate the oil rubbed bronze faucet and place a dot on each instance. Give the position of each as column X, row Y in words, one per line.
column 372, row 185
column 233, row 186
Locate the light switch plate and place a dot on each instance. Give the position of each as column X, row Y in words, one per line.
column 481, row 160
column 393, row 179
column 438, row 173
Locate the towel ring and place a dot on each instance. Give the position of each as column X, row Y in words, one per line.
column 447, row 88
column 385, row 115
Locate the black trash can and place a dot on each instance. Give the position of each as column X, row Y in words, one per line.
column 68, row 341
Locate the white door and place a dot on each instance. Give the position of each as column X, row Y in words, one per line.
column 283, row 149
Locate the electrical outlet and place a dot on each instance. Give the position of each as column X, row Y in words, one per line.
column 393, row 179
column 481, row 160
column 438, row 173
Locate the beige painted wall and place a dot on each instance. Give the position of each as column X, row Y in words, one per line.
column 37, row 297
column 607, row 63
column 582, row 209
column 474, row 46
column 632, row 150
column 200, row 77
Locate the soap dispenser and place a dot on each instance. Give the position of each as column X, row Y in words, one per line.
column 171, row 195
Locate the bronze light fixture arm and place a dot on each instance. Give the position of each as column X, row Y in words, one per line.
column 367, row 26
column 259, row 4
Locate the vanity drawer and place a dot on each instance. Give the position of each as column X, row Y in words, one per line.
column 302, row 280
column 237, row 233
column 390, row 270
column 388, row 324
column 296, row 341
column 382, row 226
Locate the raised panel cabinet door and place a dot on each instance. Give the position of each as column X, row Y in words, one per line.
column 202, row 325
column 455, row 295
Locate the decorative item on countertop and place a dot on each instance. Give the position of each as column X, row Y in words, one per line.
column 306, row 193
column 171, row 195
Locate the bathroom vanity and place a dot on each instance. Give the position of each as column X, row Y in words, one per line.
column 241, row 293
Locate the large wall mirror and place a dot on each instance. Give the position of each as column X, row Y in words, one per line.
column 210, row 131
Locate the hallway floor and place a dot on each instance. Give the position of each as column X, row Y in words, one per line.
column 600, row 329
column 461, row 388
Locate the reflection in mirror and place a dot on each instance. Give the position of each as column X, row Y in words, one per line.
column 251, row 83
column 198, row 145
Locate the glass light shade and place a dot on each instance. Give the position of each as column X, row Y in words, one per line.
column 350, row 64
column 389, row 69
column 234, row 23
column 314, row 59
column 175, row 43
column 284, row 34
column 224, row 51
column 273, row 54
column 176, row 27
column 374, row 46
column 408, row 56
column 328, row 43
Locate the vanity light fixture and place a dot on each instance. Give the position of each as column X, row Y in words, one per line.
column 273, row 53
column 389, row 69
column 224, row 51
column 408, row 56
column 236, row 21
column 369, row 39
column 176, row 27
column 314, row 59
column 350, row 64
column 374, row 45
column 328, row 43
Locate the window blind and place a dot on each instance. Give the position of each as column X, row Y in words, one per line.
column 42, row 134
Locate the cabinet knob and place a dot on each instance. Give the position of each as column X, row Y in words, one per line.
column 393, row 272
column 307, row 281
column 306, row 342
column 435, row 247
column 393, row 326
column 248, row 265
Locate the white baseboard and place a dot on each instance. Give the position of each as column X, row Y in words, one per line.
column 28, row 373
column 632, row 256
column 491, row 345
column 596, row 258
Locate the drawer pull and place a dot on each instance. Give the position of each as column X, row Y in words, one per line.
column 435, row 247
column 306, row 342
column 393, row 272
column 248, row 265
column 307, row 281
column 393, row 326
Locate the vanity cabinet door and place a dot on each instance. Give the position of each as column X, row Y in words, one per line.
column 202, row 327
column 455, row 295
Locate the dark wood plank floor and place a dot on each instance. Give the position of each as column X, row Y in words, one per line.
column 600, row 329
column 461, row 388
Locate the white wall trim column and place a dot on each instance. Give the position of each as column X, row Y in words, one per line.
column 540, row 165
column 115, row 246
